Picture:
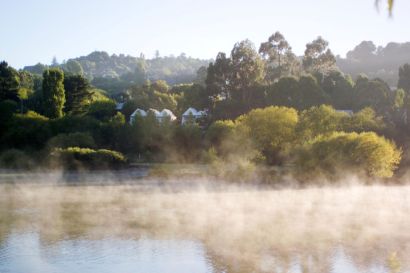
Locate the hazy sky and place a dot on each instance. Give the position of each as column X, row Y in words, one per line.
column 36, row 30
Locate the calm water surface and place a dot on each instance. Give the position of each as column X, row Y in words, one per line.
column 48, row 229
column 22, row 253
column 25, row 253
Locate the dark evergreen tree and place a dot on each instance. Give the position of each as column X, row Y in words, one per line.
column 77, row 93
column 9, row 82
column 53, row 92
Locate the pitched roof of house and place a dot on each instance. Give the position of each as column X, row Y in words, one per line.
column 168, row 113
column 155, row 111
column 139, row 112
column 194, row 112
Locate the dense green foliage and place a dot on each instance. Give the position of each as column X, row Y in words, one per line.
column 318, row 57
column 280, row 60
column 78, row 139
column 267, row 111
column 152, row 95
column 9, row 82
column 102, row 110
column 27, row 131
column 77, row 92
column 315, row 141
column 272, row 130
column 53, row 92
column 116, row 73
column 78, row 158
column 332, row 155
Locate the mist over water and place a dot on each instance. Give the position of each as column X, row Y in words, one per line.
column 196, row 225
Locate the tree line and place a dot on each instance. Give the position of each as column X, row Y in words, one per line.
column 115, row 73
column 376, row 61
column 266, row 108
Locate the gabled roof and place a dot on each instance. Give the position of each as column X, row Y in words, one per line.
column 168, row 113
column 159, row 115
column 139, row 112
column 194, row 112
column 190, row 111
column 155, row 111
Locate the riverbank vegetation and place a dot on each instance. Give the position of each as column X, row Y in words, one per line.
column 270, row 113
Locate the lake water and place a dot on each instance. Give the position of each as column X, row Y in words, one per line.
column 22, row 253
column 120, row 229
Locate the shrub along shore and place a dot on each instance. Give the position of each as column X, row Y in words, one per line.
column 269, row 115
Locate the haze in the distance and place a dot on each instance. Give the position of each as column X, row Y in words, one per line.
column 36, row 30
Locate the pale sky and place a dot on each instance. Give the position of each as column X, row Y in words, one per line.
column 36, row 30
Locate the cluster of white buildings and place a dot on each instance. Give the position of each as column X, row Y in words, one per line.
column 191, row 114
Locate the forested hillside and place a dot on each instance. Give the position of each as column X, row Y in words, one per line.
column 115, row 73
column 264, row 107
column 376, row 62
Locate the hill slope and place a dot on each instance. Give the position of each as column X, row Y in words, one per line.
column 181, row 69
column 381, row 62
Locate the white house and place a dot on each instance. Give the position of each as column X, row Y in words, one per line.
column 153, row 111
column 160, row 116
column 164, row 114
column 191, row 114
column 138, row 112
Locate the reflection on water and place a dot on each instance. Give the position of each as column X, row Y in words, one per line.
column 23, row 253
column 45, row 228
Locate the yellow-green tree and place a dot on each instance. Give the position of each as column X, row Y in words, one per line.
column 358, row 152
column 319, row 120
column 272, row 130
column 363, row 121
